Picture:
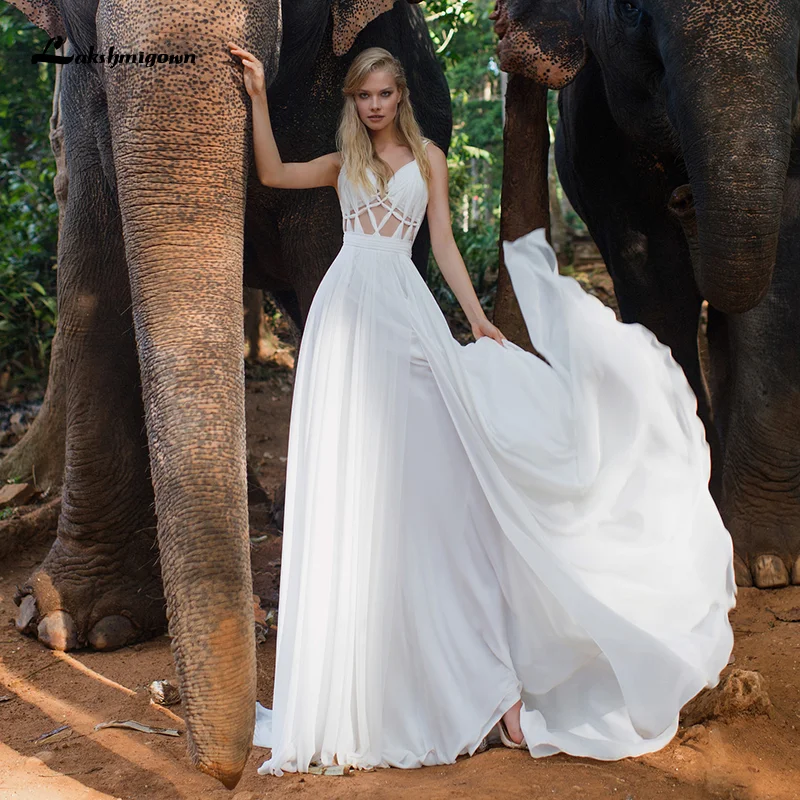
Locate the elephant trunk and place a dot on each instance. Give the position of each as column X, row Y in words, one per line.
column 180, row 147
column 735, row 134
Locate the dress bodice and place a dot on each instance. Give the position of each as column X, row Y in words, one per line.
column 398, row 215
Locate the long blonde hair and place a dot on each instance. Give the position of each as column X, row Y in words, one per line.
column 352, row 137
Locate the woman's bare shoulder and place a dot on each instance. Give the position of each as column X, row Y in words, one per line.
column 431, row 146
column 435, row 154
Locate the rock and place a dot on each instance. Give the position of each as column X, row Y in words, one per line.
column 45, row 756
column 16, row 494
column 694, row 736
column 740, row 692
column 164, row 693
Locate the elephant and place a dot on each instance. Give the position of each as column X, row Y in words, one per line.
column 165, row 221
column 678, row 146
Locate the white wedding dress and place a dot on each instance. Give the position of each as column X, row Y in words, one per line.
column 466, row 525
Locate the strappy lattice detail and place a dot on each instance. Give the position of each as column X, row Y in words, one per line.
column 398, row 215
column 381, row 216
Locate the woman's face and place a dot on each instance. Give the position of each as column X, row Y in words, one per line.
column 377, row 100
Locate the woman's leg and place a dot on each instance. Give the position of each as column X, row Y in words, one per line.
column 511, row 720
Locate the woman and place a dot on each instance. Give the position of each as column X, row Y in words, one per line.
column 477, row 540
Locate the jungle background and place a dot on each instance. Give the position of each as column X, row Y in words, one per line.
column 465, row 43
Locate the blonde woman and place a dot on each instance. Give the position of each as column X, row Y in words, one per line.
column 477, row 543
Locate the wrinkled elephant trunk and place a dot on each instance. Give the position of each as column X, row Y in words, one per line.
column 735, row 135
column 180, row 143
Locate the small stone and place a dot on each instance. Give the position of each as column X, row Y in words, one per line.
column 165, row 693
column 45, row 756
column 243, row 796
column 740, row 692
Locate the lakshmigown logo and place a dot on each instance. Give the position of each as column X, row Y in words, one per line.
column 110, row 58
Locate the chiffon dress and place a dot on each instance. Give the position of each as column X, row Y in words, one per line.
column 468, row 525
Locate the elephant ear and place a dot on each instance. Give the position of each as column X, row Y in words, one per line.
column 541, row 39
column 350, row 17
column 45, row 14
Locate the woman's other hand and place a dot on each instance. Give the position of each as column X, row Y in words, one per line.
column 254, row 80
column 485, row 328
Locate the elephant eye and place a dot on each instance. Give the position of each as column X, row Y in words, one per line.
column 631, row 13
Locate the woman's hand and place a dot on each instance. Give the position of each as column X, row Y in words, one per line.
column 483, row 327
column 254, row 80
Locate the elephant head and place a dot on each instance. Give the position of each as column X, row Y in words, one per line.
column 179, row 160
column 715, row 79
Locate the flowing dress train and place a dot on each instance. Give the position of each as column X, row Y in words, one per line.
column 467, row 525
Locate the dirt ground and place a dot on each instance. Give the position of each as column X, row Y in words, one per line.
column 746, row 757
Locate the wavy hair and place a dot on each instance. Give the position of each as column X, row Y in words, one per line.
column 352, row 137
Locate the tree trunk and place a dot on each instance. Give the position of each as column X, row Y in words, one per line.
column 558, row 225
column 39, row 455
column 525, row 198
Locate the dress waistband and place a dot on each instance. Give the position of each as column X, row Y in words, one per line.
column 375, row 241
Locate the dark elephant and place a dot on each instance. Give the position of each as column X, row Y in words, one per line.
column 163, row 210
column 678, row 145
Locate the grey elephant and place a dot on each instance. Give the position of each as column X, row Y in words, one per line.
column 678, row 145
column 164, row 216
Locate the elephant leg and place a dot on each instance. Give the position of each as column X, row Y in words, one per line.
column 315, row 250
column 654, row 286
column 307, row 252
column 253, row 317
column 288, row 303
column 761, row 468
column 99, row 584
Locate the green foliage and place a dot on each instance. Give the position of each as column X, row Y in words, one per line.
column 28, row 209
column 465, row 42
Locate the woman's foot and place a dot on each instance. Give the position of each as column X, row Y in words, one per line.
column 511, row 721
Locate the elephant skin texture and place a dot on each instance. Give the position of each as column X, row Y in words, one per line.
column 164, row 222
column 678, row 146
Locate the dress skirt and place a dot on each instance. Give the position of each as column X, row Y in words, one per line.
column 468, row 525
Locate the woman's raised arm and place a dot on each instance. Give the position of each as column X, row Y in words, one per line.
column 322, row 171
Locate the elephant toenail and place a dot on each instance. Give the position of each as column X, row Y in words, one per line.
column 112, row 632
column 796, row 571
column 769, row 572
column 742, row 572
column 57, row 631
column 26, row 618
